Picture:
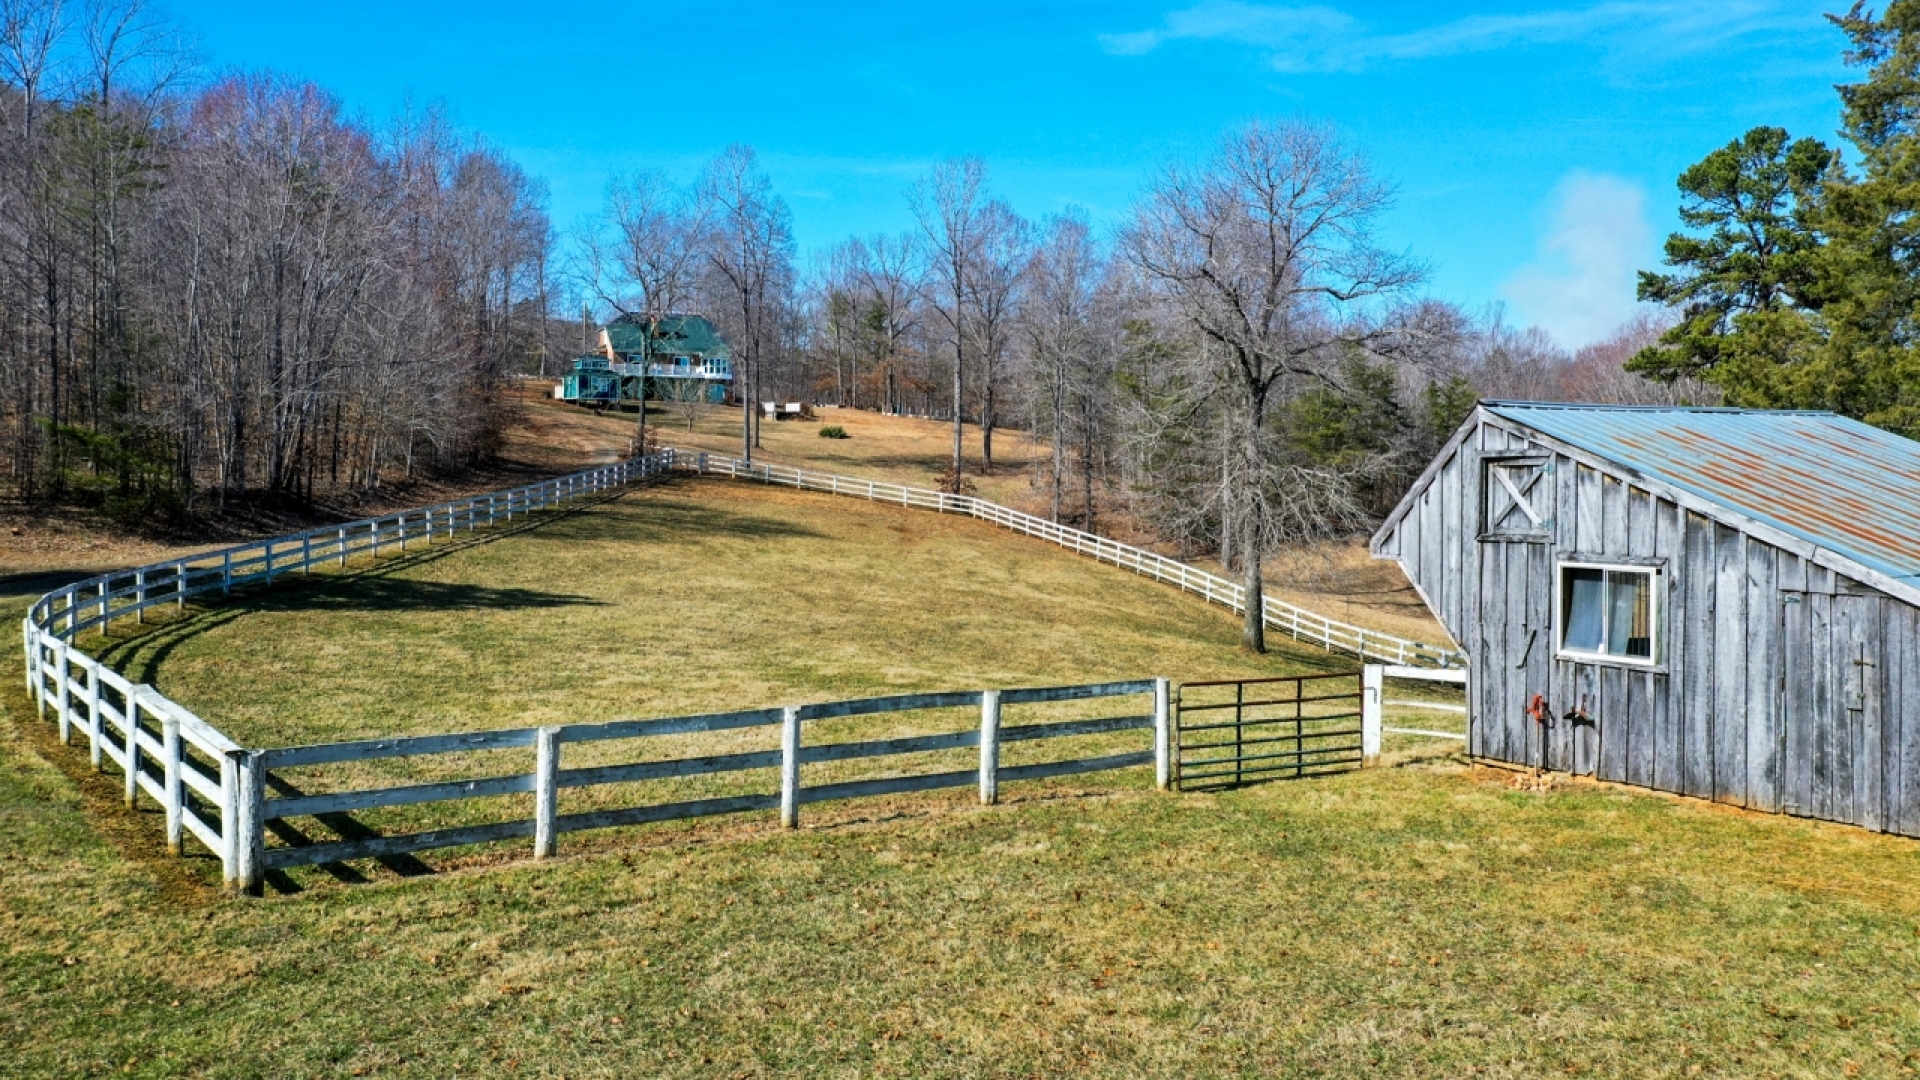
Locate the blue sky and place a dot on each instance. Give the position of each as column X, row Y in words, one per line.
column 1534, row 146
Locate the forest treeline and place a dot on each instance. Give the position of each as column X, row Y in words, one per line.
column 229, row 287
column 235, row 288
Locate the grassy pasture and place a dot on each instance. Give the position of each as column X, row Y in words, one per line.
column 1420, row 920
column 1339, row 580
column 695, row 596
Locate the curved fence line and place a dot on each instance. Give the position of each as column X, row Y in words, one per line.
column 1296, row 621
column 214, row 790
column 194, row 771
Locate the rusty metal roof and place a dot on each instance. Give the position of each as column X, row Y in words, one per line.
column 1834, row 482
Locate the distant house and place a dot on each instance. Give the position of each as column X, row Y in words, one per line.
column 671, row 357
column 676, row 353
column 1719, row 602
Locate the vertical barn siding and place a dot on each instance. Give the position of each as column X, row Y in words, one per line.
column 1728, row 757
column 1764, row 671
column 1757, row 702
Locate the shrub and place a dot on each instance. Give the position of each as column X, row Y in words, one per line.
column 834, row 431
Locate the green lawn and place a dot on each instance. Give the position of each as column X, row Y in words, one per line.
column 1419, row 920
column 695, row 596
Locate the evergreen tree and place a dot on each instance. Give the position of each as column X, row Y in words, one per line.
column 1748, row 288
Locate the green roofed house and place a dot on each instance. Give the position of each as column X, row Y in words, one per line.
column 684, row 349
column 674, row 357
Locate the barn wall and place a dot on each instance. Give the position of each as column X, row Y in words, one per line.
column 1782, row 686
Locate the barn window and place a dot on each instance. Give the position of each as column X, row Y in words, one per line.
column 1609, row 611
column 1517, row 502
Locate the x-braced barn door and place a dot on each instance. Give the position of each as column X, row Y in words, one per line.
column 1242, row 731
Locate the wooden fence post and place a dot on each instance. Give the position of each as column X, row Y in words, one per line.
column 1162, row 733
column 140, row 597
column 989, row 747
column 546, row 790
column 36, row 667
column 1372, row 681
column 790, row 767
column 131, row 710
column 63, row 700
column 229, row 818
column 226, row 573
column 95, row 729
column 180, row 586
column 170, row 752
column 251, row 848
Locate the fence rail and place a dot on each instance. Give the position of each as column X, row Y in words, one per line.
column 1281, row 616
column 1374, row 699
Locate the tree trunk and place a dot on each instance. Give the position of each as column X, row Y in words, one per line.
column 1059, row 441
column 958, row 425
column 747, row 405
column 986, row 429
column 1253, row 634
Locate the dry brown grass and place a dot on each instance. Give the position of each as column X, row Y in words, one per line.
column 1337, row 580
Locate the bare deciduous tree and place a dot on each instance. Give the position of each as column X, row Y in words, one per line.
column 750, row 253
column 1062, row 275
column 1263, row 252
column 951, row 206
column 649, row 262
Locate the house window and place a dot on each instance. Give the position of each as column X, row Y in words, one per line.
column 1610, row 611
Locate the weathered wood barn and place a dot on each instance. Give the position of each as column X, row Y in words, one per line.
column 1719, row 602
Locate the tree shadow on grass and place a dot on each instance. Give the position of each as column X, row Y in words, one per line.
column 386, row 593
column 33, row 584
column 662, row 520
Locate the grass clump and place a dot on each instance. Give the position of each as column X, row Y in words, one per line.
column 833, row 431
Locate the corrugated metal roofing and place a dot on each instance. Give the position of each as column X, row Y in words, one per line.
column 1831, row 481
column 674, row 335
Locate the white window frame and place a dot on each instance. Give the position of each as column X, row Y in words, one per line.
column 1657, row 613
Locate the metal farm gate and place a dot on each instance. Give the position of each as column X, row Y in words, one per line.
column 1239, row 731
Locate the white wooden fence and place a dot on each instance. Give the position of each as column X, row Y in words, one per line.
column 1301, row 624
column 1373, row 700
column 549, row 778
column 216, row 790
column 195, row 772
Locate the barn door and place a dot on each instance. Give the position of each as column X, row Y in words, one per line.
column 1859, row 638
column 1832, row 705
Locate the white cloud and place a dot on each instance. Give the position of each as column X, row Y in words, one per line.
column 1317, row 38
column 1580, row 287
